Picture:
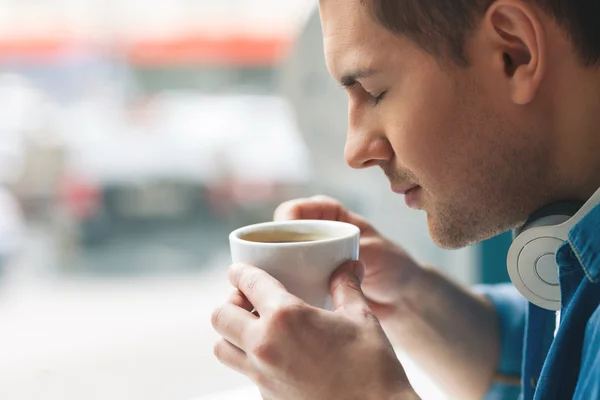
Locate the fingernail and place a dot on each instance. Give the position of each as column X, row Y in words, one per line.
column 234, row 270
column 359, row 270
column 236, row 267
column 286, row 216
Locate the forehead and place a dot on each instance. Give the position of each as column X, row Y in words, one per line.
column 351, row 36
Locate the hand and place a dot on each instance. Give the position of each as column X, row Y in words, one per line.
column 389, row 269
column 294, row 351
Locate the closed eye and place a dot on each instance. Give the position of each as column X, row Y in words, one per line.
column 378, row 99
column 348, row 85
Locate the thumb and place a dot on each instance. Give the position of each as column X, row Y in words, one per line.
column 346, row 291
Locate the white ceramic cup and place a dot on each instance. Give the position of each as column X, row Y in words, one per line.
column 304, row 268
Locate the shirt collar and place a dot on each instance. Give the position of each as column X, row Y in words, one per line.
column 585, row 242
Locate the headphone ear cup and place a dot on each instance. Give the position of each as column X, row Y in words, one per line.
column 532, row 267
column 531, row 258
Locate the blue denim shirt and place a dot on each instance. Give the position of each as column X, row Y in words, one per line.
column 566, row 366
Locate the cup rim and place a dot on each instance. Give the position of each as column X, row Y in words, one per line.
column 353, row 231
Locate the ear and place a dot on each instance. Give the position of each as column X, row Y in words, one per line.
column 520, row 45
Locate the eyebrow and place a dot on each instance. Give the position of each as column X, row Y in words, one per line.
column 349, row 80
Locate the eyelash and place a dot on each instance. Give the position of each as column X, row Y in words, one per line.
column 375, row 99
column 378, row 99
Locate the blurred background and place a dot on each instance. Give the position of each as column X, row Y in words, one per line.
column 134, row 136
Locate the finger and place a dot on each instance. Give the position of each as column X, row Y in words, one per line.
column 231, row 356
column 320, row 207
column 260, row 288
column 346, row 291
column 317, row 207
column 362, row 224
column 331, row 209
column 232, row 322
column 290, row 210
column 239, row 299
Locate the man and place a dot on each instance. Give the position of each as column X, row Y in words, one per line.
column 481, row 112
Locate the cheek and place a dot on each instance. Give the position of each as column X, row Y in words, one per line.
column 430, row 138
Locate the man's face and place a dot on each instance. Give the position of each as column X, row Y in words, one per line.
column 480, row 162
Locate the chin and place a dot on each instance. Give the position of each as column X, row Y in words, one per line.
column 446, row 242
column 454, row 235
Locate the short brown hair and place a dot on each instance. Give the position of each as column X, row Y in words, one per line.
column 441, row 26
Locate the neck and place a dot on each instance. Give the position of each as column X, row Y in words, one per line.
column 580, row 168
column 578, row 150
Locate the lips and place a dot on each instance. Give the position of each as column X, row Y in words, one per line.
column 404, row 189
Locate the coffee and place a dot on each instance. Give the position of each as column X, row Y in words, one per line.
column 283, row 236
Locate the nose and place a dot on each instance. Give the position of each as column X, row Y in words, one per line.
column 366, row 144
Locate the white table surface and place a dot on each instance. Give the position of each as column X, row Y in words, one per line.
column 422, row 384
column 246, row 393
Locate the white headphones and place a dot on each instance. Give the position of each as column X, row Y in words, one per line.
column 531, row 257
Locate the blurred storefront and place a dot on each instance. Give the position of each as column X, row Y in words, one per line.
column 145, row 96
column 135, row 135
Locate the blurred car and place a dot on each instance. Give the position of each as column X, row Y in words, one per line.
column 11, row 228
column 178, row 157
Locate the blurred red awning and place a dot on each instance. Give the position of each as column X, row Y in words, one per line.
column 36, row 49
column 245, row 51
